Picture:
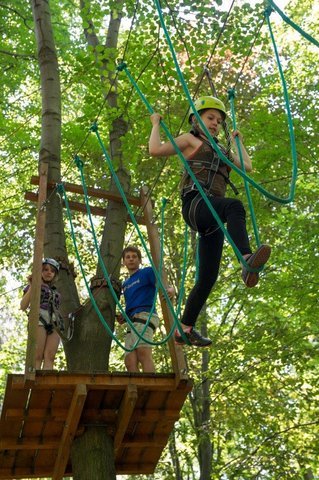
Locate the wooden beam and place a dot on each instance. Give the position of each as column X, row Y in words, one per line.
column 69, row 431
column 36, row 274
column 29, row 443
column 92, row 192
column 27, row 472
column 135, row 468
column 125, row 413
column 80, row 207
column 34, row 414
column 144, row 441
column 177, row 355
column 55, row 380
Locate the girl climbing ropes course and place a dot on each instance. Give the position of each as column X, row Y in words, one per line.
column 213, row 176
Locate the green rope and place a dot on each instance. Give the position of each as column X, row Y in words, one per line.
column 80, row 166
column 106, row 275
column 123, row 67
column 211, row 139
column 184, row 272
column 62, row 192
column 231, row 96
column 176, row 324
column 287, row 105
column 293, row 24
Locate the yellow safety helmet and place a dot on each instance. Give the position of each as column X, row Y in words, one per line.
column 207, row 102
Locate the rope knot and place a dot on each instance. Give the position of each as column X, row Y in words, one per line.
column 60, row 188
column 164, row 202
column 231, row 93
column 268, row 11
column 78, row 162
column 121, row 66
column 94, row 127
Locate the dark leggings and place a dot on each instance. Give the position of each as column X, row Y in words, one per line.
column 210, row 245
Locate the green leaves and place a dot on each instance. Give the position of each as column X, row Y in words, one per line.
column 262, row 369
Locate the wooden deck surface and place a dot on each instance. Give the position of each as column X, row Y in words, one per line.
column 40, row 419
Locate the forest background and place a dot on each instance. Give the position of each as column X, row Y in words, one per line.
column 254, row 406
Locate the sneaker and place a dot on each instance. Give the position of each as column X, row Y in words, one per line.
column 193, row 338
column 256, row 260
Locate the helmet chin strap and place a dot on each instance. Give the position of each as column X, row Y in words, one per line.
column 196, row 130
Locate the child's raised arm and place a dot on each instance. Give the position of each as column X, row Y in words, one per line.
column 159, row 149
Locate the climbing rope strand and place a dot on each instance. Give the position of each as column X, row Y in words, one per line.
column 211, row 139
column 184, row 271
column 92, row 298
column 62, row 191
column 122, row 193
column 231, row 96
column 293, row 24
column 249, row 52
column 221, row 31
column 208, row 61
column 287, row 105
column 106, row 275
column 157, row 274
column 131, row 29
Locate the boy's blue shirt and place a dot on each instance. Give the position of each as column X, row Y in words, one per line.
column 139, row 291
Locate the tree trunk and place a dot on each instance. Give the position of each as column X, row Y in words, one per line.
column 205, row 443
column 200, row 401
column 92, row 453
column 50, row 147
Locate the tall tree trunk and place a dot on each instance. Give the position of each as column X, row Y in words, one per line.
column 200, row 401
column 92, row 452
column 50, row 147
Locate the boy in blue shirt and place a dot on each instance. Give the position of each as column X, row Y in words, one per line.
column 139, row 292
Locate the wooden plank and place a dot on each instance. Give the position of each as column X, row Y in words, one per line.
column 92, row 192
column 29, row 443
column 125, row 413
column 176, row 351
column 139, row 410
column 135, row 468
column 98, row 381
column 36, row 274
column 69, row 431
column 27, row 472
column 143, row 441
column 81, row 207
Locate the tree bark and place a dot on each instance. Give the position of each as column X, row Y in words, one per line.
column 92, row 453
column 50, row 147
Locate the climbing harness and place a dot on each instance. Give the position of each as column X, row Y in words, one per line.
column 211, row 172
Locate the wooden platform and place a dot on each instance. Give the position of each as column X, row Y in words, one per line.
column 40, row 419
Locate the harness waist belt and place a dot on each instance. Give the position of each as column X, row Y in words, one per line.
column 144, row 322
